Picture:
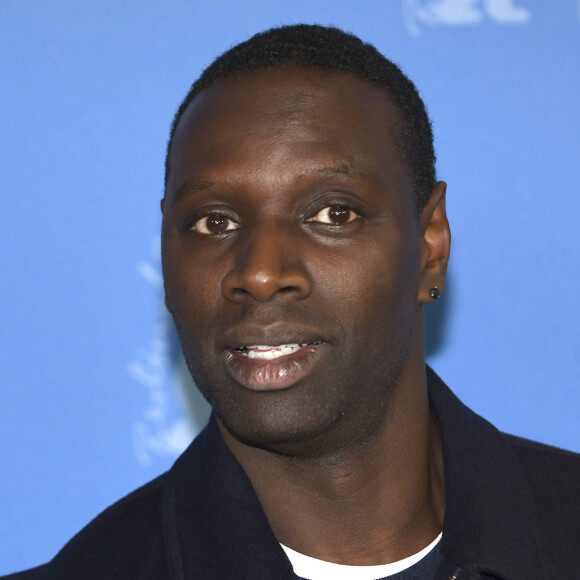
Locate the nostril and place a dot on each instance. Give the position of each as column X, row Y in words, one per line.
column 239, row 286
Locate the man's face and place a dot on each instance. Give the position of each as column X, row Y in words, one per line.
column 291, row 255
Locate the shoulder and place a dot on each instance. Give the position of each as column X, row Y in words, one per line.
column 124, row 541
column 553, row 476
column 139, row 536
column 553, row 473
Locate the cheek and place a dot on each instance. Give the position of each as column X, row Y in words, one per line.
column 194, row 298
column 192, row 287
column 374, row 297
column 369, row 276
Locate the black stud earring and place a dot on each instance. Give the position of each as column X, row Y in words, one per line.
column 434, row 293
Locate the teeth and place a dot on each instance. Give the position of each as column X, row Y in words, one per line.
column 268, row 352
column 268, row 347
column 265, row 352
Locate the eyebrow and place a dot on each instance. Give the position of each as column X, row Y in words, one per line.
column 190, row 188
column 193, row 187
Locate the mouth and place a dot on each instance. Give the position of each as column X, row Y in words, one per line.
column 261, row 367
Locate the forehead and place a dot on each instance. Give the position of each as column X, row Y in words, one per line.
column 290, row 114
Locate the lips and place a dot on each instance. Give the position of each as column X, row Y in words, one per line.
column 262, row 367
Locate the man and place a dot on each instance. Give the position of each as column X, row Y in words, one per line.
column 303, row 231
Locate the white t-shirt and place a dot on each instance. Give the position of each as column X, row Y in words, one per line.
column 314, row 569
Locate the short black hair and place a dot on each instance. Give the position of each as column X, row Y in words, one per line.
column 331, row 49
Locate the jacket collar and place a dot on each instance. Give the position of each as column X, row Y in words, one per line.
column 215, row 527
column 490, row 523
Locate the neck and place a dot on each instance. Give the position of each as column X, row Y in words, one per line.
column 376, row 503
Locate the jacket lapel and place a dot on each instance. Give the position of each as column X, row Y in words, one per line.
column 490, row 524
column 214, row 524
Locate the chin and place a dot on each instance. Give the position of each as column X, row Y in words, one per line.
column 279, row 423
column 300, row 433
column 284, row 441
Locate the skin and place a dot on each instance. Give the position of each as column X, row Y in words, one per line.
column 346, row 460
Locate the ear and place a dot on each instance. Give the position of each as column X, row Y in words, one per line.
column 434, row 243
column 162, row 205
column 167, row 305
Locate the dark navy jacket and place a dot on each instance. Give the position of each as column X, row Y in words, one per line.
column 512, row 512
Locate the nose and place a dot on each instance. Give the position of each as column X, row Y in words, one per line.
column 267, row 264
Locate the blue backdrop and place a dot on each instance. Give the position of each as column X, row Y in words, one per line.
column 94, row 400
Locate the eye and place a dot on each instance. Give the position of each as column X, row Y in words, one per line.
column 214, row 225
column 335, row 215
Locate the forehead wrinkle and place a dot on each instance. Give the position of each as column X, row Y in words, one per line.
column 330, row 170
column 296, row 100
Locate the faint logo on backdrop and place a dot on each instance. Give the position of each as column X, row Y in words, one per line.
column 461, row 13
column 175, row 411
